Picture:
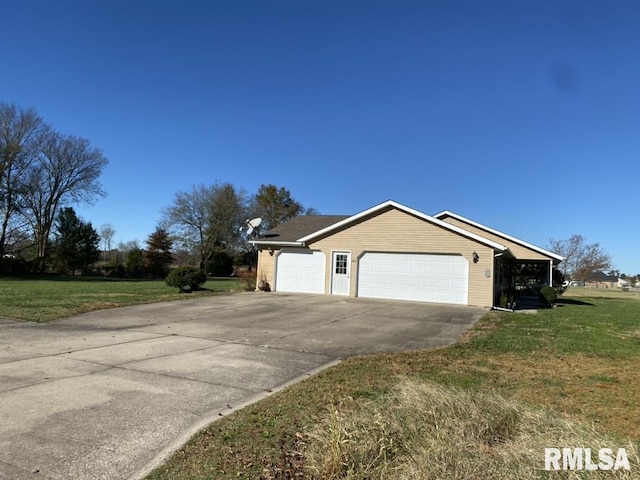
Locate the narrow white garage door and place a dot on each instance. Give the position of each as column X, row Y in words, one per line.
column 300, row 271
column 414, row 276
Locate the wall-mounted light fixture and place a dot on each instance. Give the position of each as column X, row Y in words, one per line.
column 476, row 257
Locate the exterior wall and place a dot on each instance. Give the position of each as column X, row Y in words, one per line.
column 266, row 267
column 397, row 231
column 519, row 251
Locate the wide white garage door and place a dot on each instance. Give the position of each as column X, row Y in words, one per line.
column 414, row 276
column 300, row 271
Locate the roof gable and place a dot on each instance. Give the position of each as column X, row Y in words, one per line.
column 498, row 233
column 392, row 204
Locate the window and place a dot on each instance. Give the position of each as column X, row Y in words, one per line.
column 341, row 264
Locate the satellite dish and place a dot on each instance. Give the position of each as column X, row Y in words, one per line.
column 251, row 227
column 254, row 222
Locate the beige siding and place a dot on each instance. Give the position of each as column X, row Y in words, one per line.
column 519, row 251
column 266, row 267
column 397, row 231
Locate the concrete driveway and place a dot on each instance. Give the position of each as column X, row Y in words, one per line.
column 109, row 394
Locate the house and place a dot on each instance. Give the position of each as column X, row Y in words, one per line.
column 391, row 251
column 600, row 279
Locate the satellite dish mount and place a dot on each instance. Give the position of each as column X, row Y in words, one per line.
column 251, row 226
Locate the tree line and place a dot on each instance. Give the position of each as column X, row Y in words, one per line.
column 204, row 226
column 44, row 172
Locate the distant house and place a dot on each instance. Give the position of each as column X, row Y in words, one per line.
column 602, row 280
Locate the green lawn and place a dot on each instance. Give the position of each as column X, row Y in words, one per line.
column 601, row 293
column 42, row 299
column 579, row 360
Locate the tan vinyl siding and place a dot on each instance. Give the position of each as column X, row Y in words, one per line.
column 519, row 251
column 397, row 231
column 266, row 267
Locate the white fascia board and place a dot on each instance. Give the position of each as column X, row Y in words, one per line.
column 275, row 243
column 399, row 206
column 342, row 223
column 500, row 234
column 507, row 253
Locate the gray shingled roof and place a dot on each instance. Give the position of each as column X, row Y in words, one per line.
column 600, row 276
column 300, row 227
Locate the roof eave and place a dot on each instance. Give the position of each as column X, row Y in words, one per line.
column 555, row 256
column 275, row 243
column 506, row 252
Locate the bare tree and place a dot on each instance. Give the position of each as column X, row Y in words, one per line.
column 20, row 130
column 106, row 234
column 580, row 259
column 188, row 216
column 66, row 170
column 206, row 217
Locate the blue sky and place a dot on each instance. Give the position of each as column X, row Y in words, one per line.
column 524, row 116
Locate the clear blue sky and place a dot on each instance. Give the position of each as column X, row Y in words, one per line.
column 522, row 115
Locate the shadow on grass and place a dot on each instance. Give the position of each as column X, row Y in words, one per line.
column 572, row 301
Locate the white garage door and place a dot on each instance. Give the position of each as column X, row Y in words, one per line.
column 300, row 271
column 414, row 276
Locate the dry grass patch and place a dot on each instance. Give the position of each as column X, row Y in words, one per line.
column 597, row 389
column 425, row 430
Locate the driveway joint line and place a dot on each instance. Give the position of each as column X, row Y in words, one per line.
column 70, row 351
column 258, row 345
column 34, row 356
column 164, row 355
column 178, row 377
column 120, row 367
column 56, row 379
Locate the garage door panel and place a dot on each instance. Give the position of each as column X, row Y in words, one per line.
column 300, row 272
column 414, row 276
